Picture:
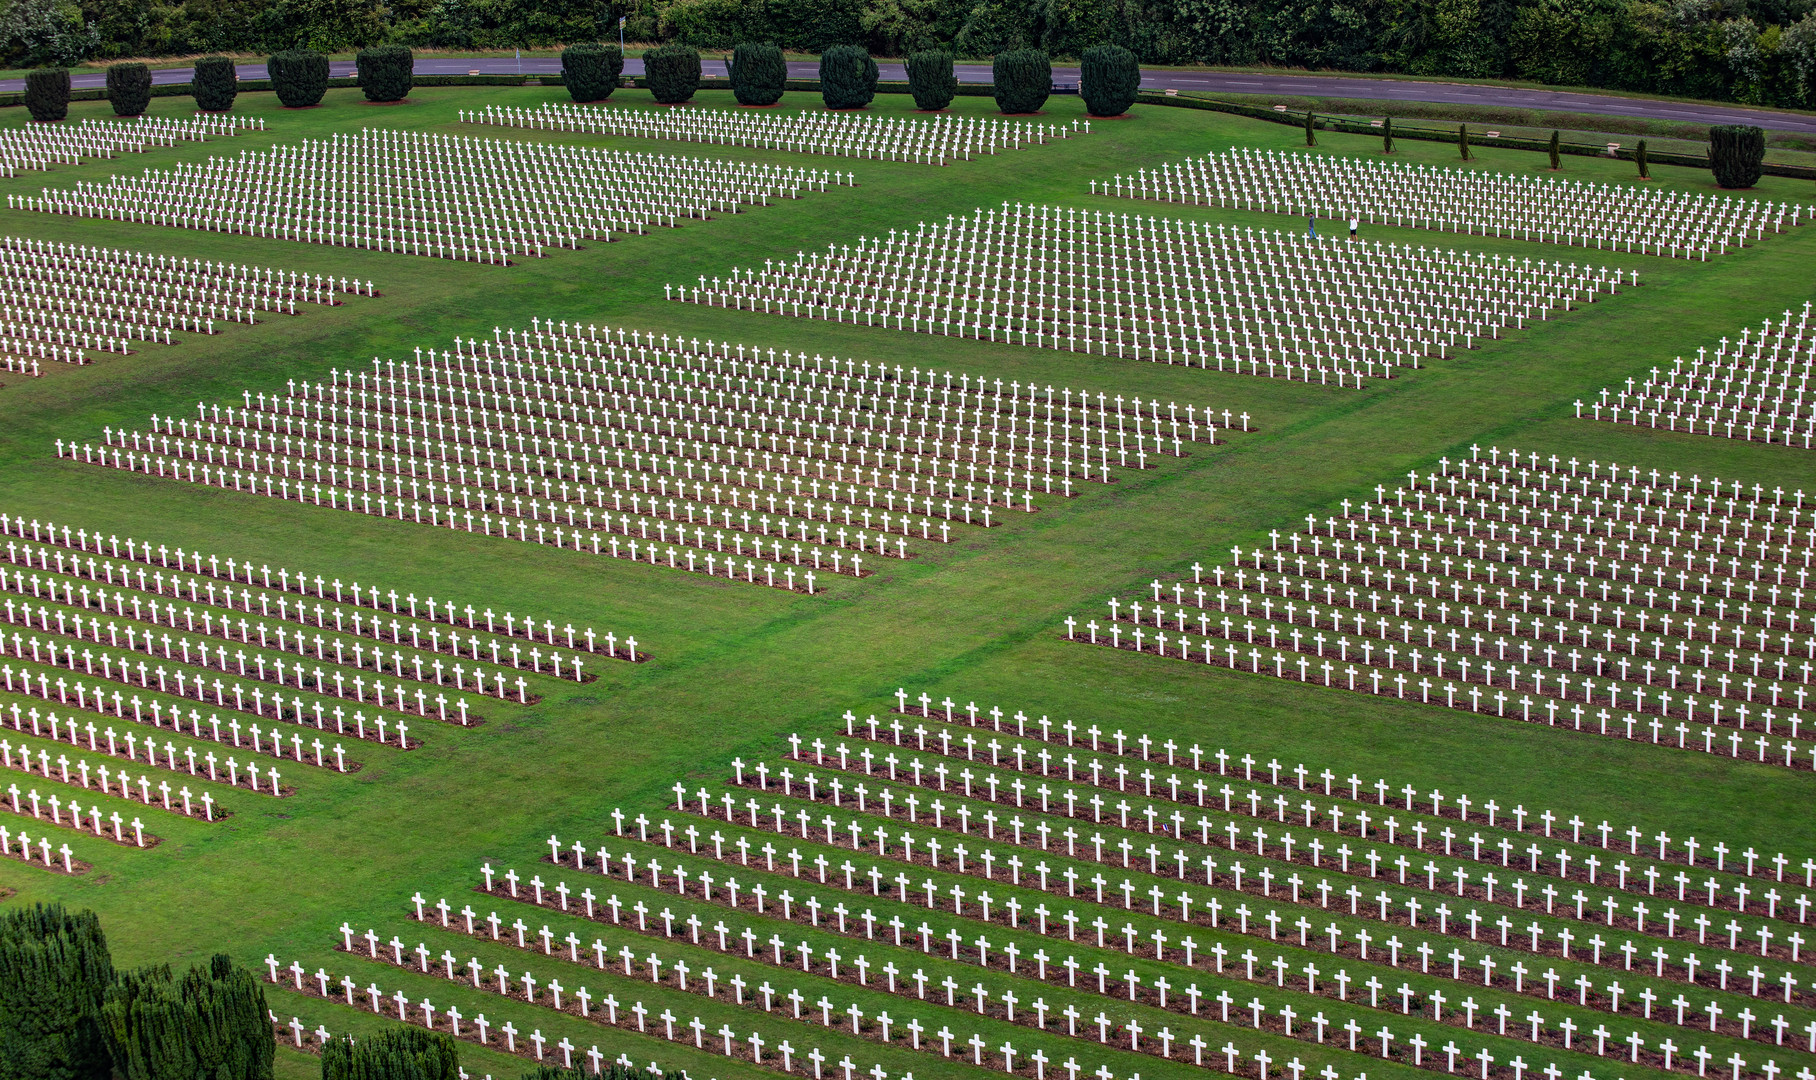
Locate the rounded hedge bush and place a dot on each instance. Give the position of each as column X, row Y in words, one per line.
column 672, row 72
column 129, row 88
column 758, row 73
column 386, row 72
column 847, row 77
column 930, row 79
column 1022, row 79
column 1735, row 154
column 300, row 77
column 47, row 94
column 1109, row 78
column 590, row 71
column 215, row 84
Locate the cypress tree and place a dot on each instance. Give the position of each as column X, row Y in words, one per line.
column 215, row 84
column 1463, row 141
column 47, row 94
column 1311, row 136
column 1023, row 79
column 54, row 971
column 386, row 72
column 590, row 71
column 930, row 79
column 672, row 72
column 1736, row 152
column 213, row 1022
column 1387, row 135
column 1109, row 78
column 129, row 88
column 847, row 77
column 1639, row 158
column 1557, row 160
column 300, row 77
column 759, row 73
column 397, row 1053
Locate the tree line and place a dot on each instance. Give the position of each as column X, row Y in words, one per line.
column 1753, row 51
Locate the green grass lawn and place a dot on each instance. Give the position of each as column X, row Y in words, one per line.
column 735, row 666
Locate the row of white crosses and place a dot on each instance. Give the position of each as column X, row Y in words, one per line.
column 1169, row 291
column 104, row 779
column 1647, row 605
column 209, row 568
column 694, row 437
column 1756, row 388
column 91, row 298
column 1011, row 912
column 985, row 863
column 484, row 200
column 1300, row 777
column 28, row 365
column 603, row 1010
column 1363, row 856
column 38, row 146
column 125, row 745
column 24, row 851
column 1618, row 217
column 935, row 140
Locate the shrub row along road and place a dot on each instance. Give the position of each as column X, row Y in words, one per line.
column 1222, row 82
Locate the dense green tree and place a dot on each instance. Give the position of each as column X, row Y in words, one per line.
column 591, row 71
column 848, row 77
column 759, row 73
column 300, row 77
column 385, row 72
column 672, row 72
column 54, row 971
column 128, row 88
column 1735, row 154
column 396, row 1053
column 931, row 80
column 210, row 1024
column 1022, row 80
column 215, row 84
column 1109, row 78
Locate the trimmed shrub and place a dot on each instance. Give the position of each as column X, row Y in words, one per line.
column 847, row 77
column 1557, row 160
column 1387, row 135
column 1639, row 158
column 1311, row 129
column 300, row 77
column 215, row 84
column 1023, row 79
column 672, row 72
column 758, row 73
column 930, row 79
column 1463, row 141
column 47, row 94
column 385, row 71
column 590, row 71
column 212, row 1022
column 54, row 971
column 1735, row 154
column 406, row 1053
column 129, row 88
column 1109, row 78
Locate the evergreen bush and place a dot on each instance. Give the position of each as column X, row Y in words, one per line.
column 672, row 72
column 212, row 1022
column 1023, row 78
column 758, row 73
column 1387, row 135
column 385, row 72
column 1557, row 160
column 300, row 77
column 1735, row 154
column 54, row 971
column 129, row 88
column 395, row 1053
column 1311, row 129
column 47, row 94
column 215, row 84
column 590, row 71
column 930, row 79
column 1639, row 158
column 847, row 77
column 1463, row 141
column 1109, row 77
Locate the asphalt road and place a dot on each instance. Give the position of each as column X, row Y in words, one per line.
column 1384, row 90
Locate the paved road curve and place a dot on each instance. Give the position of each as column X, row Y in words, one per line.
column 1385, row 90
